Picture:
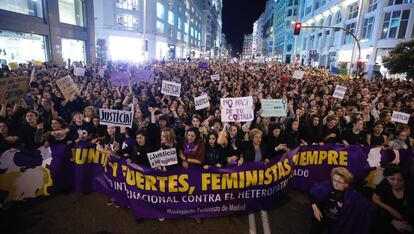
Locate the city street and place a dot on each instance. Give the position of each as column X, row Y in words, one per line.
column 80, row 213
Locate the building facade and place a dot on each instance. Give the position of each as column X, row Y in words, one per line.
column 45, row 30
column 257, row 44
column 139, row 30
column 379, row 25
column 247, row 46
column 285, row 15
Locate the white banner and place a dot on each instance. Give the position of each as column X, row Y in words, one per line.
column 215, row 77
column 237, row 109
column 339, row 92
column 101, row 72
column 201, row 102
column 163, row 158
column 274, row 107
column 170, row 88
column 117, row 118
column 79, row 71
column 298, row 74
column 400, row 117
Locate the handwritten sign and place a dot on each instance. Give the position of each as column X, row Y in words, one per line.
column 400, row 117
column 201, row 102
column 298, row 74
column 163, row 158
column 339, row 92
column 237, row 109
column 215, row 77
column 13, row 89
column 274, row 107
column 117, row 118
column 79, row 71
column 170, row 88
column 67, row 87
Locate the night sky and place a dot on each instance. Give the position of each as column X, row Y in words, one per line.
column 238, row 18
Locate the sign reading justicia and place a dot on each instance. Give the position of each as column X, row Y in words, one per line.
column 116, row 117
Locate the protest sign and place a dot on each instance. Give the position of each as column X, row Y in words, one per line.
column 163, row 158
column 203, row 65
column 13, row 89
column 101, row 72
column 117, row 118
column 201, row 102
column 215, row 77
column 400, row 117
column 79, row 71
column 119, row 78
column 274, row 107
column 143, row 75
column 298, row 74
column 339, row 92
column 170, row 88
column 237, row 109
column 67, row 87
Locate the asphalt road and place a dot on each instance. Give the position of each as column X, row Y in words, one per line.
column 89, row 213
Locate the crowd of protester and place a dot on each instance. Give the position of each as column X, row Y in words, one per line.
column 314, row 117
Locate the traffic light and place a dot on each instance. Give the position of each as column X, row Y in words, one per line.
column 298, row 27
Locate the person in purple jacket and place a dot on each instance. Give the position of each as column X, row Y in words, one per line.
column 338, row 208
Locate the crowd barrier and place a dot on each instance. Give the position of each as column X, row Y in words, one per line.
column 185, row 193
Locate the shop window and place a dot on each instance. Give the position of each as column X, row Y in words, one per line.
column 73, row 50
column 71, row 12
column 27, row 7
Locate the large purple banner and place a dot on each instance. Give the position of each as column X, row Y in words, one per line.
column 179, row 192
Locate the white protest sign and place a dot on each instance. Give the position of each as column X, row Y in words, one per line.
column 79, row 71
column 68, row 87
column 201, row 102
column 298, row 74
column 117, row 118
column 163, row 158
column 237, row 109
column 339, row 92
column 400, row 117
column 101, row 72
column 215, row 77
column 170, row 88
column 274, row 107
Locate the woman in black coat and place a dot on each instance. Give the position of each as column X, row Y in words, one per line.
column 255, row 149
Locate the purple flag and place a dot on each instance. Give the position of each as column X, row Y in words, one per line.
column 203, row 64
column 119, row 78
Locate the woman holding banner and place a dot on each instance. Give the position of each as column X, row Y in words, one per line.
column 255, row 150
column 193, row 151
column 215, row 155
column 231, row 139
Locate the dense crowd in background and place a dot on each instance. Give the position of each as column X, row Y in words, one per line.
column 200, row 138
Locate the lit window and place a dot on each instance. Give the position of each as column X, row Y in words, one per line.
column 395, row 24
column 73, row 50
column 353, row 11
column 171, row 17
column 126, row 20
column 186, row 26
column 127, row 4
column 367, row 28
column 160, row 11
column 71, row 12
column 178, row 35
column 27, row 7
column 160, row 27
column 179, row 23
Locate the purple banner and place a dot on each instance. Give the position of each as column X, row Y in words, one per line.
column 203, row 65
column 184, row 193
column 119, row 78
column 143, row 75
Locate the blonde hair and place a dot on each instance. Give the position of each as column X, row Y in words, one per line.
column 343, row 173
column 254, row 132
column 170, row 136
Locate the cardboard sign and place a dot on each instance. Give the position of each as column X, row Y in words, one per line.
column 67, row 87
column 13, row 89
column 201, row 102
column 339, row 92
column 298, row 74
column 171, row 88
column 79, row 71
column 117, row 118
column 215, row 77
column 400, row 117
column 163, row 158
column 274, row 107
column 237, row 109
